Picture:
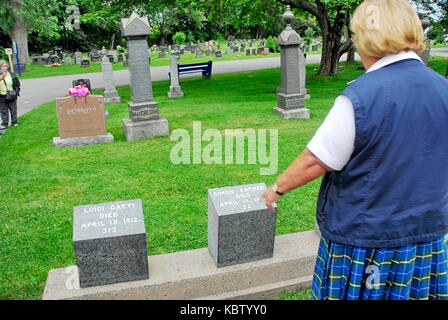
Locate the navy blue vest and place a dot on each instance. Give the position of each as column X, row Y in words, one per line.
column 394, row 190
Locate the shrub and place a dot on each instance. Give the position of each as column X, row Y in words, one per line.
column 179, row 38
column 272, row 44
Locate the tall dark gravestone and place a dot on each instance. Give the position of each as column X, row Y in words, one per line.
column 144, row 121
column 110, row 243
column 291, row 99
column 240, row 226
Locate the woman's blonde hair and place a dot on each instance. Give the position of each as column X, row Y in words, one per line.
column 383, row 27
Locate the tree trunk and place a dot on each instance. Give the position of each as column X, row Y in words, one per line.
column 112, row 41
column 19, row 34
column 332, row 33
column 351, row 55
column 329, row 64
column 331, row 51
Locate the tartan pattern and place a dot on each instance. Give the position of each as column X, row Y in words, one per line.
column 413, row 272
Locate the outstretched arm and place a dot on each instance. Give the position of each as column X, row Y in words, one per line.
column 306, row 168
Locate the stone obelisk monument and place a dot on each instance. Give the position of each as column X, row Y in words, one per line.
column 291, row 98
column 145, row 121
column 175, row 90
column 110, row 93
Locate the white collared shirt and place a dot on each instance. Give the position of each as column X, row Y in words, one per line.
column 334, row 141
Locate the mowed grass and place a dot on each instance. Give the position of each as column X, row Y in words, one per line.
column 40, row 184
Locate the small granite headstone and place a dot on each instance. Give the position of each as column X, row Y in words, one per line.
column 240, row 226
column 110, row 243
column 85, row 63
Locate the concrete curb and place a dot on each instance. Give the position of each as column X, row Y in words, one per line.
column 193, row 275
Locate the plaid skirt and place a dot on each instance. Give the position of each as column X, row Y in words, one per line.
column 408, row 273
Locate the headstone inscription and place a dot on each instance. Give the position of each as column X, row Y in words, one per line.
column 240, row 226
column 81, row 121
column 291, row 100
column 110, row 243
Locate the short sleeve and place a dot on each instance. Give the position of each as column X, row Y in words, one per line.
column 334, row 141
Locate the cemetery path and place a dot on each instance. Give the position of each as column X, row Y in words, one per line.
column 36, row 92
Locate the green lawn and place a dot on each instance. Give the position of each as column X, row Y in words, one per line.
column 41, row 184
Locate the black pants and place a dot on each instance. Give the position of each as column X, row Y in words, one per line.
column 7, row 107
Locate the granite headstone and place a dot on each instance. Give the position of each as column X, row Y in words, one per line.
column 110, row 93
column 240, row 226
column 144, row 121
column 110, row 243
column 81, row 121
column 291, row 100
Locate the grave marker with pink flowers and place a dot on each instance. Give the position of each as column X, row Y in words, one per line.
column 81, row 119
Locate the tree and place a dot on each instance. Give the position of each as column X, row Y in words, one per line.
column 21, row 17
column 437, row 9
column 106, row 16
column 333, row 17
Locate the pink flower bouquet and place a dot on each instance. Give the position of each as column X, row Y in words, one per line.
column 79, row 91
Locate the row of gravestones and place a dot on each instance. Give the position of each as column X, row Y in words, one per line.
column 110, row 239
column 145, row 120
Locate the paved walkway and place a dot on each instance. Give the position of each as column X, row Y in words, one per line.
column 36, row 92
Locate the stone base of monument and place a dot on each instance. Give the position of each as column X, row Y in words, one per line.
column 193, row 275
column 301, row 113
column 305, row 93
column 175, row 92
column 76, row 142
column 145, row 129
column 111, row 96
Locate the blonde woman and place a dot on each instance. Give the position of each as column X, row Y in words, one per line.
column 383, row 205
column 8, row 82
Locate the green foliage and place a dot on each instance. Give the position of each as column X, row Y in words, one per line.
column 440, row 39
column 308, row 41
column 179, row 38
column 309, row 32
column 190, row 37
column 3, row 55
column 272, row 44
column 38, row 14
